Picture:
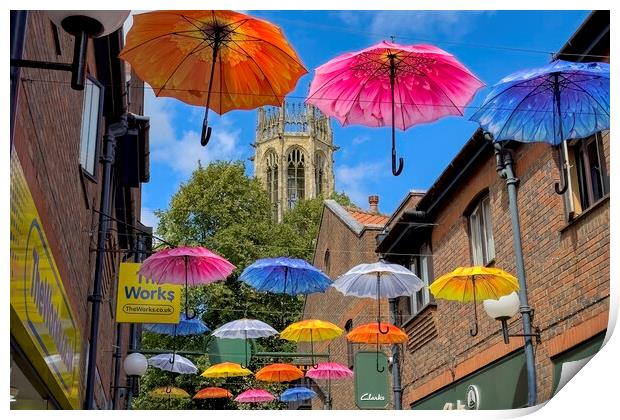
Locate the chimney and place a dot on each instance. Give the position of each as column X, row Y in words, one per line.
column 373, row 200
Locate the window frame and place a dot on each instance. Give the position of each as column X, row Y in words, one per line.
column 92, row 176
column 422, row 266
column 480, row 230
column 296, row 166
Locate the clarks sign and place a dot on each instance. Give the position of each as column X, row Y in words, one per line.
column 372, row 397
column 371, row 380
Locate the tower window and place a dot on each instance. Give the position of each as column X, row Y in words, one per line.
column 319, row 178
column 296, row 177
column 271, row 169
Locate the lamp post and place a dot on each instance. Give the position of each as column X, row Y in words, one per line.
column 134, row 365
column 502, row 310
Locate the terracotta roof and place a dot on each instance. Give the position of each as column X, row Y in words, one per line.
column 367, row 219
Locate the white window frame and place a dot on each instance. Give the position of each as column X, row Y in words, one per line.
column 481, row 233
column 421, row 265
column 92, row 109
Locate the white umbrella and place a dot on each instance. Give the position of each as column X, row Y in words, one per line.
column 179, row 365
column 378, row 280
column 244, row 329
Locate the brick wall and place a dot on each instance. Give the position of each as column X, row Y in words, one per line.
column 47, row 142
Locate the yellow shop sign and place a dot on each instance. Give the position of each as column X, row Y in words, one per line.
column 141, row 300
column 42, row 321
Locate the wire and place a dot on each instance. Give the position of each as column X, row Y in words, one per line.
column 304, row 98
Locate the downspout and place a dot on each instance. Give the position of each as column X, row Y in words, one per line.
column 114, row 130
column 19, row 19
column 396, row 384
column 505, row 170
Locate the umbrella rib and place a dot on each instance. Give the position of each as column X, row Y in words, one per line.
column 587, row 93
column 179, row 33
column 402, row 115
column 179, row 65
column 221, row 79
column 359, row 92
column 273, row 45
column 257, row 65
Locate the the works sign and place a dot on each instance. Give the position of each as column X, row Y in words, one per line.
column 371, row 382
column 141, row 300
column 42, row 319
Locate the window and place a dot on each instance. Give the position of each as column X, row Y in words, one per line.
column 295, row 179
column 588, row 177
column 271, row 169
column 319, row 176
column 91, row 116
column 481, row 233
column 421, row 266
column 326, row 261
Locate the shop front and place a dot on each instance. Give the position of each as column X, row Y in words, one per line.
column 501, row 385
column 45, row 339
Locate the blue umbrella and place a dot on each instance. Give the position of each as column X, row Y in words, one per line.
column 562, row 100
column 285, row 275
column 193, row 326
column 299, row 393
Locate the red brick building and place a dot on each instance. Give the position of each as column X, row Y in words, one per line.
column 57, row 176
column 463, row 220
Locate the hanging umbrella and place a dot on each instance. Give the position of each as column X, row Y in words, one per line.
column 244, row 329
column 279, row 372
column 378, row 280
column 292, row 276
column 329, row 371
column 373, row 334
column 226, row 370
column 311, row 330
column 169, row 392
column 178, row 364
column 219, row 59
column 254, row 396
column 466, row 284
column 186, row 265
column 393, row 84
column 562, row 100
column 193, row 326
column 299, row 393
column 212, row 392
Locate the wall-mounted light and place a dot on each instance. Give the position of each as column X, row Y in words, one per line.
column 502, row 310
column 134, row 365
column 82, row 24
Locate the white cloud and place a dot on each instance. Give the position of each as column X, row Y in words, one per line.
column 180, row 148
column 360, row 140
column 149, row 218
column 355, row 180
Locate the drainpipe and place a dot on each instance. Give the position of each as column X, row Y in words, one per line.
column 396, row 386
column 505, row 170
column 19, row 19
column 114, row 130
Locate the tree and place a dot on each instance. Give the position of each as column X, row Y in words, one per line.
column 221, row 208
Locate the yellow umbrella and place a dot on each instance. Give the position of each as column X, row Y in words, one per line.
column 169, row 392
column 466, row 284
column 310, row 330
column 226, row 370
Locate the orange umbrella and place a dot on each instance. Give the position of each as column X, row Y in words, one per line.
column 212, row 392
column 372, row 333
column 279, row 372
column 219, row 59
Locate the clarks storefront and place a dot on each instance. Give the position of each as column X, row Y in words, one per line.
column 45, row 340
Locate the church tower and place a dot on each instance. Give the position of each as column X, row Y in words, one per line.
column 294, row 154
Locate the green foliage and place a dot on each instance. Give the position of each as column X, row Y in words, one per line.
column 224, row 210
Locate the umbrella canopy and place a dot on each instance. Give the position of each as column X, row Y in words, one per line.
column 186, row 265
column 311, row 330
column 279, row 372
column 393, row 84
column 292, row 276
column 169, row 392
column 559, row 101
column 254, row 396
column 378, row 280
column 299, row 393
column 212, row 392
column 185, row 326
column 244, row 329
column 219, row 59
column 225, row 370
column 370, row 334
column 329, row 370
column 466, row 284
column 170, row 363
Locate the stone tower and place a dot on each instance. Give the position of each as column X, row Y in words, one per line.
column 294, row 154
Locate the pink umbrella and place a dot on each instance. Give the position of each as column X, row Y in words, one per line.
column 392, row 84
column 186, row 265
column 254, row 396
column 329, row 371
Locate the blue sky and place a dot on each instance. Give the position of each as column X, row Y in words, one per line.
column 491, row 44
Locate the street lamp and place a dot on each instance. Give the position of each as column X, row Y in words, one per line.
column 82, row 24
column 134, row 365
column 502, row 310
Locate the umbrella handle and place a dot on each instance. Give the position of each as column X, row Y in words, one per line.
column 382, row 368
column 380, row 330
column 396, row 170
column 171, row 360
column 204, row 139
column 187, row 315
column 474, row 332
column 245, row 345
column 379, row 307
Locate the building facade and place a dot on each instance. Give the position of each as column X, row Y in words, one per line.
column 294, row 154
column 463, row 219
column 58, row 155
